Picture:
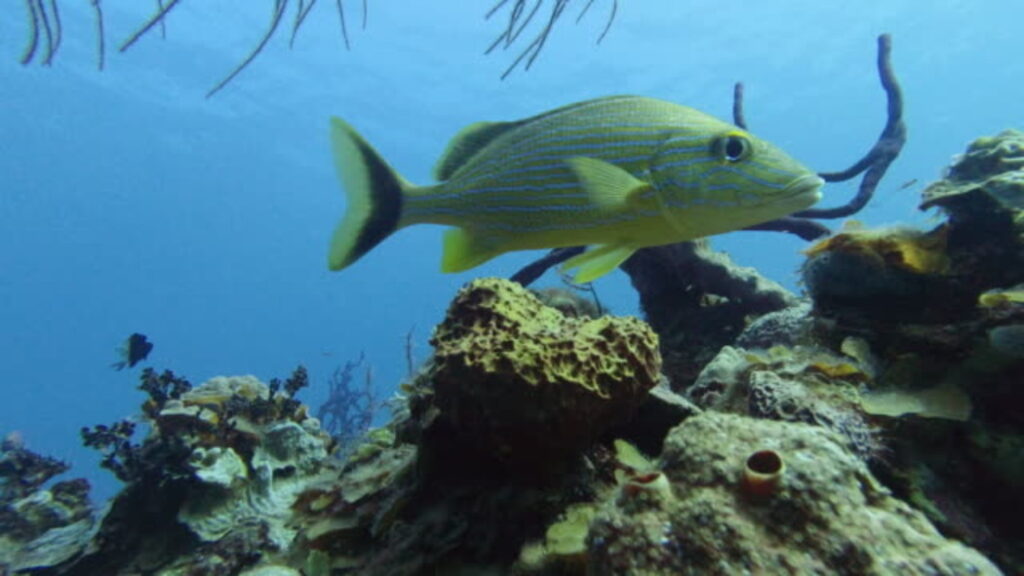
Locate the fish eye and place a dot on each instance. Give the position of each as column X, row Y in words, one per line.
column 732, row 147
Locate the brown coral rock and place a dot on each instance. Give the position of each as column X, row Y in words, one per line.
column 523, row 383
column 829, row 515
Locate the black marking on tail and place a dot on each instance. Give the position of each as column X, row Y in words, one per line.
column 385, row 202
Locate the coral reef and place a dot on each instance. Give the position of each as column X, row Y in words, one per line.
column 697, row 301
column 828, row 514
column 982, row 196
column 940, row 312
column 868, row 431
column 234, row 476
column 498, row 436
column 811, row 385
column 210, row 488
column 135, row 463
column 936, row 276
column 991, row 167
column 786, row 327
column 899, row 275
column 39, row 526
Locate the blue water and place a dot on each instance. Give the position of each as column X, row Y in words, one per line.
column 128, row 202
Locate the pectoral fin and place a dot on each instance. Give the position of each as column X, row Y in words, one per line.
column 607, row 185
column 598, row 261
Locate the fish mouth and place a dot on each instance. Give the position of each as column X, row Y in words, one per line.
column 805, row 186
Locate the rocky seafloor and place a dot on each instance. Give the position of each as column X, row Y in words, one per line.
column 875, row 426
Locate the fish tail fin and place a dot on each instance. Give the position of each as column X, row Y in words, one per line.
column 375, row 194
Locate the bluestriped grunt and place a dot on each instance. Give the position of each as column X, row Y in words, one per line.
column 616, row 174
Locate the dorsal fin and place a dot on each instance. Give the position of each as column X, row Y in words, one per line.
column 475, row 137
column 467, row 143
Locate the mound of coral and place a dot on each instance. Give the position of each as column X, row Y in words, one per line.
column 527, row 385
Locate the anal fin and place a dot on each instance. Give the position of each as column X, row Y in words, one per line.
column 462, row 250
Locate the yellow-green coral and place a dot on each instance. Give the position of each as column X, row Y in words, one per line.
column 496, row 326
column 373, row 443
column 946, row 401
column 564, row 544
column 810, row 361
column 527, row 383
column 1000, row 298
column 569, row 536
column 906, row 249
column 629, row 456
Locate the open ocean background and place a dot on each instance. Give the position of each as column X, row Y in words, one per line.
column 128, row 202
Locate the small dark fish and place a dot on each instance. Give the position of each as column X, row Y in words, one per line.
column 908, row 184
column 134, row 350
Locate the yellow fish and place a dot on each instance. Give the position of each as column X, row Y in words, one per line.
column 1002, row 298
column 616, row 174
